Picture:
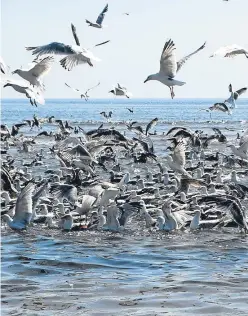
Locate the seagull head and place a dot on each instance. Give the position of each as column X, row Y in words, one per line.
column 112, row 91
column 7, row 85
column 148, row 78
column 151, row 77
column 17, row 71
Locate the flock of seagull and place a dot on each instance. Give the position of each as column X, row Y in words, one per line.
column 80, row 180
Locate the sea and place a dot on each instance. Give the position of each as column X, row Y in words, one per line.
column 138, row 271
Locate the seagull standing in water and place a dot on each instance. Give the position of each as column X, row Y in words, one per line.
column 99, row 20
column 169, row 66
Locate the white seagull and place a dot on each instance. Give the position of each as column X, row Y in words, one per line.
column 34, row 74
column 98, row 23
column 120, row 91
column 169, row 66
column 230, row 51
column 23, row 209
column 85, row 94
column 234, row 96
column 33, row 96
column 177, row 161
column 75, row 54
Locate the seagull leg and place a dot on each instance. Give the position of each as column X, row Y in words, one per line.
column 172, row 92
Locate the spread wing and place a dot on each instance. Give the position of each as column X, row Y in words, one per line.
column 102, row 43
column 92, row 87
column 74, row 89
column 239, row 92
column 182, row 61
column 74, row 32
column 52, row 48
column 179, row 154
column 66, row 191
column 101, row 15
column 168, row 64
column 42, row 67
column 24, row 205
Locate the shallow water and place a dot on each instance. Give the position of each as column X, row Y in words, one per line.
column 136, row 272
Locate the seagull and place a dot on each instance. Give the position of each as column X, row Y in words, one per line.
column 130, row 110
column 3, row 66
column 120, row 91
column 99, row 20
column 83, row 95
column 169, row 66
column 177, row 161
column 75, row 54
column 33, row 96
column 34, row 74
column 241, row 151
column 234, row 96
column 222, row 107
column 23, row 209
column 230, row 51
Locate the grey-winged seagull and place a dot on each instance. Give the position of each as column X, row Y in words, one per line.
column 34, row 74
column 169, row 66
column 99, row 20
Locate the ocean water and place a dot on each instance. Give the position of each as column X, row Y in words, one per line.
column 136, row 272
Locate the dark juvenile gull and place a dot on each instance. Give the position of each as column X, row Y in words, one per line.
column 99, row 20
column 169, row 66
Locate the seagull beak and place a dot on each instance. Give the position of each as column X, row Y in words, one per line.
column 145, row 80
column 6, row 85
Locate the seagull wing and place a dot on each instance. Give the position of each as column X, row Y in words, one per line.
column 239, row 92
column 24, row 205
column 3, row 66
column 182, row 61
column 74, row 32
column 168, row 64
column 179, row 154
column 101, row 15
column 66, row 191
column 52, row 48
column 244, row 147
column 42, row 67
column 151, row 124
column 102, row 43
column 74, row 89
column 92, row 87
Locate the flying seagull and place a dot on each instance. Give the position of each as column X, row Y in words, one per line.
column 169, row 66
column 234, row 96
column 33, row 96
column 99, row 20
column 75, row 54
column 83, row 95
column 230, row 51
column 34, row 74
column 222, row 107
column 120, row 91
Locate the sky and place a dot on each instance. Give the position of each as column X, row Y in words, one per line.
column 135, row 46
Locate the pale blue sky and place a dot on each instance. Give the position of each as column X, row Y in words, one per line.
column 136, row 43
